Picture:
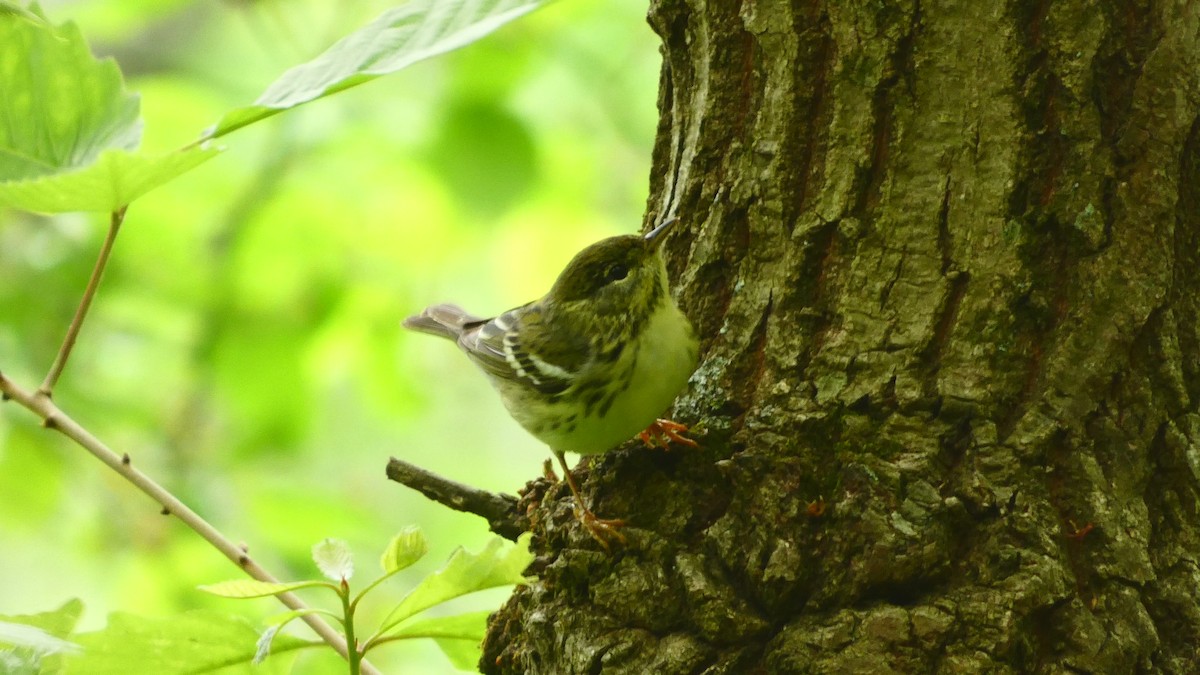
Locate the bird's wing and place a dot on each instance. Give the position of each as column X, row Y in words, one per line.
column 512, row 346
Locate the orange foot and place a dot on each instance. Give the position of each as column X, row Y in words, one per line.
column 604, row 530
column 661, row 433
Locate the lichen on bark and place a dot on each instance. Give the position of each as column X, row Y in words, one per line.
column 945, row 261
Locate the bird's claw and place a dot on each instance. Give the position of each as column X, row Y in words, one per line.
column 661, row 433
column 603, row 530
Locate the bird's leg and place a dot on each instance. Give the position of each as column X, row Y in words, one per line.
column 662, row 433
column 600, row 528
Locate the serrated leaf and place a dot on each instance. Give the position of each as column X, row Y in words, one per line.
column 334, row 559
column 253, row 588
column 398, row 38
column 62, row 106
column 406, row 548
column 117, row 178
column 499, row 564
column 68, row 128
column 193, row 642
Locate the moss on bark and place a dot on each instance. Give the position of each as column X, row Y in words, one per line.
column 945, row 260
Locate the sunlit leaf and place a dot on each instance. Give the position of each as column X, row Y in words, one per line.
column 68, row 128
column 116, row 178
column 194, row 642
column 463, row 654
column 499, row 564
column 283, row 618
column 61, row 107
column 59, row 623
column 262, row 648
column 459, row 636
column 10, row 8
column 406, row 548
column 276, row 624
column 403, row 550
column 253, row 588
column 334, row 559
column 38, row 643
column 398, row 38
column 21, row 635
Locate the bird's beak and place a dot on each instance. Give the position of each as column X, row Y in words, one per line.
column 654, row 237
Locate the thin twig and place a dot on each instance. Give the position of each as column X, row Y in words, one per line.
column 54, row 418
column 64, row 352
column 499, row 510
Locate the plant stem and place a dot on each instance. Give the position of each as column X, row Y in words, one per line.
column 53, row 417
column 355, row 656
column 64, row 352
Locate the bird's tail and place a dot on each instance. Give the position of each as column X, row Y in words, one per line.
column 441, row 320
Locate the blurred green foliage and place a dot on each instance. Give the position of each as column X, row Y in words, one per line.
column 245, row 346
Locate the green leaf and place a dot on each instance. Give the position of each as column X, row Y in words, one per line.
column 193, row 642
column 262, row 648
column 398, row 38
column 406, row 548
column 59, row 623
column 68, row 128
column 61, row 106
column 9, row 8
column 43, row 652
column 497, row 565
column 469, row 626
column 276, row 624
column 403, row 550
column 334, row 559
column 459, row 636
column 463, row 654
column 22, row 635
column 282, row 619
column 253, row 588
column 117, row 178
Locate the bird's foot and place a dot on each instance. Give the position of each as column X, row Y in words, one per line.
column 661, row 433
column 604, row 530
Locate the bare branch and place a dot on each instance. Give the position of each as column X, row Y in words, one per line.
column 53, row 417
column 499, row 510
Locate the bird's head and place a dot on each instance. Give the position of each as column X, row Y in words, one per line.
column 617, row 276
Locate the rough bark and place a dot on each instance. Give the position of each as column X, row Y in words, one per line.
column 945, row 260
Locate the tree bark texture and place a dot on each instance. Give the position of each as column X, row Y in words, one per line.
column 944, row 257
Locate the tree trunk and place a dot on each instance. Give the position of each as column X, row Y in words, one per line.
column 944, row 258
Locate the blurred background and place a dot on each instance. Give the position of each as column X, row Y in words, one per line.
column 245, row 346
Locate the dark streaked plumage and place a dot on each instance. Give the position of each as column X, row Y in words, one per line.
column 606, row 345
column 593, row 362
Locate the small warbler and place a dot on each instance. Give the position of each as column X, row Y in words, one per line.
column 591, row 363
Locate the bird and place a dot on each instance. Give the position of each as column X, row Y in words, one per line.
column 590, row 364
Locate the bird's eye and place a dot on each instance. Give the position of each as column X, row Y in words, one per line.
column 616, row 273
